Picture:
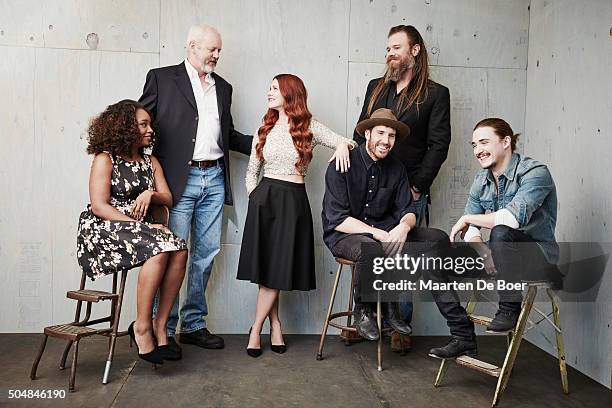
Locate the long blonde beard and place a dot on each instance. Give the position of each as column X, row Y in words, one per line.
column 395, row 73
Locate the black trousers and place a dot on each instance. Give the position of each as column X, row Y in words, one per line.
column 515, row 259
column 350, row 247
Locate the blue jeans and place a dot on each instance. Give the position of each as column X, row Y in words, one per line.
column 405, row 304
column 199, row 211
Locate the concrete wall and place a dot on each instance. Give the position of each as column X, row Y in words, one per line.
column 63, row 61
column 568, row 126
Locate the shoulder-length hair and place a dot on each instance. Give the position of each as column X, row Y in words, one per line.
column 115, row 130
column 416, row 91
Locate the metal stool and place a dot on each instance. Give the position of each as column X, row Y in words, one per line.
column 348, row 328
column 514, row 341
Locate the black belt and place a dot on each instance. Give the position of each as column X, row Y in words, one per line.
column 204, row 163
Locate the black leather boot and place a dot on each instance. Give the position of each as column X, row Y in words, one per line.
column 457, row 346
column 504, row 321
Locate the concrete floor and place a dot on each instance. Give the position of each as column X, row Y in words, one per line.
column 346, row 377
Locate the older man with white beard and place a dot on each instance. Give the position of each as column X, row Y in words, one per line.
column 191, row 106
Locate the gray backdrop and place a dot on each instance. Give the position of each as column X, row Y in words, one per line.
column 541, row 65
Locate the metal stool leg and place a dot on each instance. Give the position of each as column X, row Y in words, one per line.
column 75, row 354
column 349, row 309
column 379, row 322
column 65, row 355
column 329, row 310
column 559, row 337
column 113, row 336
column 41, row 350
column 514, row 345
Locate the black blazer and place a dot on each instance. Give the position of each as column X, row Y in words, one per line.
column 424, row 151
column 168, row 95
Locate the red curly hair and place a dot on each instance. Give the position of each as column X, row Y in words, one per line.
column 294, row 92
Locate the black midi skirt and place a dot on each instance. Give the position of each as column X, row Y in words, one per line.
column 278, row 240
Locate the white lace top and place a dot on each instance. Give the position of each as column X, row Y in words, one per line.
column 280, row 155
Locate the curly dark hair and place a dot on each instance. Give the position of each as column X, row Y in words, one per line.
column 115, row 130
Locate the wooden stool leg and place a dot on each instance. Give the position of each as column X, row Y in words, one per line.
column 65, row 355
column 441, row 372
column 379, row 322
column 559, row 337
column 469, row 309
column 514, row 344
column 471, row 304
column 113, row 336
column 329, row 310
column 75, row 354
column 41, row 350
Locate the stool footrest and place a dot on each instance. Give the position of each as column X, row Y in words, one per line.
column 88, row 295
column 69, row 331
column 481, row 320
column 478, row 365
column 338, row 325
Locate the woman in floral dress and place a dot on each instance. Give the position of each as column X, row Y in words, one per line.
column 116, row 232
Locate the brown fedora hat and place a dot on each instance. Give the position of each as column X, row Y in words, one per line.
column 383, row 117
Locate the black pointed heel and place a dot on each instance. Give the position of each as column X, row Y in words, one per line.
column 278, row 348
column 253, row 352
column 152, row 357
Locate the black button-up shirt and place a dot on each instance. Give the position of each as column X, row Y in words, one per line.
column 375, row 192
column 424, row 151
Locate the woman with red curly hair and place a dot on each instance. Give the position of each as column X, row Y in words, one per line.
column 278, row 242
column 116, row 232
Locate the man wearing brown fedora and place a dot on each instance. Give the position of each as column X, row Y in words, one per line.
column 372, row 204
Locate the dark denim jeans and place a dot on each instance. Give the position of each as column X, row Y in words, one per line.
column 405, row 305
column 513, row 263
column 350, row 247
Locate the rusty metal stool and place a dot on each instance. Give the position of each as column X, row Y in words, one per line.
column 348, row 328
column 78, row 329
column 514, row 339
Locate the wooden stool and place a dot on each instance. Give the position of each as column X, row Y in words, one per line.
column 514, row 341
column 350, row 332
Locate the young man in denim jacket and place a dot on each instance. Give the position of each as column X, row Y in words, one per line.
column 515, row 197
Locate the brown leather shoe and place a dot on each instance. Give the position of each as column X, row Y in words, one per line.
column 400, row 343
column 350, row 337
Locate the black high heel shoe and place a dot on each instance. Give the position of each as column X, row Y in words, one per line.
column 170, row 351
column 277, row 348
column 253, row 352
column 153, row 356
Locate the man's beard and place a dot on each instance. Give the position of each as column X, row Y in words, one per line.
column 395, row 72
column 208, row 68
column 372, row 149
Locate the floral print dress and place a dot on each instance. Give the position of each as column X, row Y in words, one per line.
column 103, row 246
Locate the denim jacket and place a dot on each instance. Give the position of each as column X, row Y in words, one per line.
column 527, row 190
